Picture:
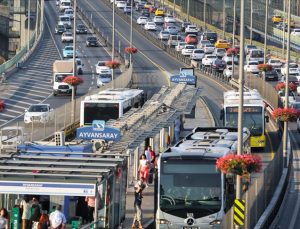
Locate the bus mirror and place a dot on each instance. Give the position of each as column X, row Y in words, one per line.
column 267, row 118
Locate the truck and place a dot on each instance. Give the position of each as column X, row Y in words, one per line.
column 62, row 69
column 11, row 137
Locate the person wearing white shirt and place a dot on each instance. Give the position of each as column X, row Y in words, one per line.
column 57, row 219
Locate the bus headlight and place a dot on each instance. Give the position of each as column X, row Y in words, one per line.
column 163, row 221
column 215, row 222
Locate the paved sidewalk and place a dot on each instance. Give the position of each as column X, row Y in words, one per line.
column 203, row 118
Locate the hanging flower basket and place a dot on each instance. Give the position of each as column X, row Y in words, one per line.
column 73, row 80
column 232, row 51
column 265, row 67
column 285, row 114
column 131, row 50
column 242, row 165
column 112, row 64
column 2, row 105
column 281, row 86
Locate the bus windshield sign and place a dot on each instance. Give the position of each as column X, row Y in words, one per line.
column 245, row 109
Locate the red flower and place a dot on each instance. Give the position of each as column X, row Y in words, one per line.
column 264, row 67
column 285, row 114
column 241, row 165
column 281, row 86
column 232, row 51
column 2, row 105
column 112, row 64
column 131, row 50
column 73, row 80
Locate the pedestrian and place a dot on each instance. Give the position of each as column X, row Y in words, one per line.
column 44, row 220
column 91, row 207
column 36, row 213
column 144, row 167
column 57, row 219
column 177, row 130
column 3, row 219
column 25, row 206
column 138, row 195
column 151, row 158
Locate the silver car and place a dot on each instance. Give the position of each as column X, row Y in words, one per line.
column 163, row 35
column 172, row 30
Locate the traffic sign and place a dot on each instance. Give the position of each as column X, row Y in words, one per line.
column 239, row 212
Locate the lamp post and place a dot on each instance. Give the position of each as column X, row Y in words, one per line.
column 131, row 18
column 251, row 20
column 241, row 95
column 113, row 45
column 266, row 31
column 224, row 19
column 188, row 10
column 74, row 60
column 173, row 8
column 283, row 29
column 204, row 15
column 233, row 35
column 28, row 24
column 286, row 96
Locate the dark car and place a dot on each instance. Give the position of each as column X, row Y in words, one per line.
column 211, row 36
column 60, row 29
column 81, row 29
column 218, row 65
column 139, row 6
column 271, row 75
column 145, row 13
column 92, row 41
column 184, row 25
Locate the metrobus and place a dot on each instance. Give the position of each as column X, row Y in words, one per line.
column 254, row 115
column 190, row 191
column 109, row 104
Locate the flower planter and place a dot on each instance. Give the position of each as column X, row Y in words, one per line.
column 281, row 86
column 2, row 105
column 131, row 50
column 285, row 114
column 73, row 80
column 264, row 67
column 232, row 51
column 112, row 64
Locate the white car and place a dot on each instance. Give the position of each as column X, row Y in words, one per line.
column 227, row 73
column 104, row 77
column 67, row 37
column 100, row 66
column 163, row 35
column 180, row 46
column 228, row 59
column 252, row 67
column 291, row 65
column 170, row 19
column 208, row 59
column 121, row 4
column 69, row 12
column 291, row 98
column 197, row 54
column 150, row 26
column 296, row 32
column 298, row 90
column 187, row 50
column 202, row 43
column 38, row 113
column 159, row 20
column 275, row 63
column 220, row 52
column 209, row 48
column 191, row 29
column 142, row 20
column 64, row 20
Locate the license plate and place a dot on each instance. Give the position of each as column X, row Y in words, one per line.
column 64, row 90
column 188, row 227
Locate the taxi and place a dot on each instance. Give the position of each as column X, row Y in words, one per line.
column 159, row 12
column 222, row 44
column 277, row 19
column 147, row 5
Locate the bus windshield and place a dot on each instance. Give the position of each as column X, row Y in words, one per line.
column 100, row 111
column 253, row 119
column 190, row 186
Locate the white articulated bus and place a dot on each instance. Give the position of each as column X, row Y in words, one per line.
column 109, row 104
column 191, row 192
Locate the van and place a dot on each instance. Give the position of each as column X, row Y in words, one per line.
column 210, row 36
column 65, row 21
column 64, row 4
column 255, row 55
column 173, row 40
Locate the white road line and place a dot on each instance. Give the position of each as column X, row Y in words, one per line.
column 7, row 115
column 3, row 120
column 22, row 97
column 37, row 82
column 25, row 93
column 17, row 101
column 29, row 88
column 14, row 111
column 13, row 105
column 35, row 77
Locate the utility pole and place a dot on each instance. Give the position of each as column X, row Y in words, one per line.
column 224, row 19
column 283, row 29
column 266, row 31
column 28, row 25
column 204, row 15
column 131, row 18
column 233, row 35
column 286, row 105
column 113, row 45
column 74, row 59
column 241, row 95
column 251, row 20
column 188, row 10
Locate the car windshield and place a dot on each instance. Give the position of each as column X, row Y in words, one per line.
column 105, row 76
column 38, row 108
column 81, row 26
column 101, row 64
column 273, row 61
column 92, row 38
column 64, row 19
column 69, row 48
column 210, row 57
column 296, row 106
column 68, row 34
column 252, row 63
column 209, row 45
column 198, row 51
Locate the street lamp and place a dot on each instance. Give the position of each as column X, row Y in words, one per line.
column 28, row 24
column 224, row 19
column 286, row 105
column 74, row 59
column 131, row 18
column 113, row 44
column 283, row 29
column 188, row 10
column 204, row 15
column 233, row 35
column 266, row 31
column 251, row 20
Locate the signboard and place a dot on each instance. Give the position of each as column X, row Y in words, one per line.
column 15, row 217
column 184, row 78
column 47, row 188
column 98, row 130
column 187, row 71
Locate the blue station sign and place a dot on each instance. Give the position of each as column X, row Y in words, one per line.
column 98, row 130
column 184, row 78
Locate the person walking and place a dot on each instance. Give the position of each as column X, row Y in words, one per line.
column 36, row 213
column 44, row 221
column 3, row 219
column 57, row 219
column 91, row 207
column 138, row 195
column 144, row 167
column 25, row 206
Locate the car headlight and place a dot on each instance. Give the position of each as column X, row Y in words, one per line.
column 215, row 222
column 163, row 221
